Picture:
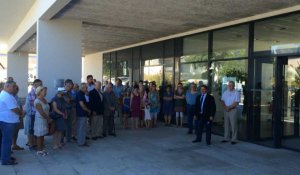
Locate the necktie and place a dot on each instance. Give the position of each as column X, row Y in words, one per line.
column 201, row 103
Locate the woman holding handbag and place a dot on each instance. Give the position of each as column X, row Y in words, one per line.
column 59, row 114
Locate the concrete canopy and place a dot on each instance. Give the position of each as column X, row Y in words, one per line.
column 109, row 24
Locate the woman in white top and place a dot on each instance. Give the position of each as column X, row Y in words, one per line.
column 42, row 119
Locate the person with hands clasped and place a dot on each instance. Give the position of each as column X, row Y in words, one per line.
column 230, row 100
column 82, row 112
column 59, row 114
column 205, row 110
column 42, row 119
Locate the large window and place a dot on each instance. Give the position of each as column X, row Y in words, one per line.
column 124, row 66
column 106, row 67
column 195, row 48
column 222, row 72
column 136, row 64
column 231, row 42
column 152, row 63
column 193, row 73
column 278, row 36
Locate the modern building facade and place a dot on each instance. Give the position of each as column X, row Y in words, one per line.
column 262, row 57
column 254, row 43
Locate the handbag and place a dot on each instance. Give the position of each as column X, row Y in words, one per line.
column 51, row 128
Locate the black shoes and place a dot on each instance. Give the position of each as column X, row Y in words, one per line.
column 94, row 138
column 190, row 132
column 74, row 139
column 224, row 141
column 195, row 141
column 112, row 134
column 233, row 143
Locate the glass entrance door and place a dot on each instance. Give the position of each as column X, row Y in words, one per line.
column 264, row 79
column 291, row 102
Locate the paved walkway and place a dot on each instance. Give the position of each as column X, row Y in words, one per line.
column 162, row 150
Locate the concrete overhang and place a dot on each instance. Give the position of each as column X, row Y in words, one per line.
column 28, row 27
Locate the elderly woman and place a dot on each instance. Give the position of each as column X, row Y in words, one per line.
column 58, row 115
column 42, row 119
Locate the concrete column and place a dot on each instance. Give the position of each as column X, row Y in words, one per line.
column 92, row 65
column 17, row 67
column 59, row 52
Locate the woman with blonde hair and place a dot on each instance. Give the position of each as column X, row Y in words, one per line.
column 42, row 119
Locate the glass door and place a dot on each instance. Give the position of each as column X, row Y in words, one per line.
column 291, row 102
column 264, row 82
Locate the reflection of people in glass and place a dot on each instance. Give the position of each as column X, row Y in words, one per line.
column 168, row 105
column 191, row 96
column 179, row 104
column 230, row 100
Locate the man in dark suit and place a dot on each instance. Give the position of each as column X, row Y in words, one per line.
column 96, row 105
column 205, row 110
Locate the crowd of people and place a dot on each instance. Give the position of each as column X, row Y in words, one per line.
column 88, row 111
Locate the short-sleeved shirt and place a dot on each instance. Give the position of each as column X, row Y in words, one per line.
column 60, row 103
column 230, row 97
column 7, row 103
column 31, row 97
column 118, row 90
column 79, row 111
column 191, row 98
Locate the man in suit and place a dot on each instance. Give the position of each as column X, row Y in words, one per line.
column 96, row 105
column 205, row 110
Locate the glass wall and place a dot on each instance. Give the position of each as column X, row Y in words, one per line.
column 152, row 63
column 124, row 66
column 278, row 35
column 136, row 64
column 106, row 67
column 231, row 42
column 169, row 63
column 222, row 72
column 113, row 67
column 217, row 56
column 193, row 63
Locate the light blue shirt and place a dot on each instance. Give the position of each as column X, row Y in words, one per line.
column 118, row 90
column 191, row 98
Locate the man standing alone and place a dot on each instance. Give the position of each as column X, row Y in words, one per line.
column 230, row 100
column 205, row 110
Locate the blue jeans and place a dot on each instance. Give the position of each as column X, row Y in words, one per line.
column 190, row 115
column 81, row 130
column 6, row 134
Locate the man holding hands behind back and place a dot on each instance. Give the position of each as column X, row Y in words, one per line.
column 205, row 110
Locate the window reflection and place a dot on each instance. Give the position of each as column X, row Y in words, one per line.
column 222, row 72
column 278, row 35
column 231, row 42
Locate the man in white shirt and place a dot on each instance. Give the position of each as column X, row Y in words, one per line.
column 230, row 100
column 9, row 116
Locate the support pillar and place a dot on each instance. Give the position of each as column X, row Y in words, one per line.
column 59, row 52
column 17, row 67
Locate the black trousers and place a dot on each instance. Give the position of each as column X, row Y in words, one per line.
column 208, row 124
